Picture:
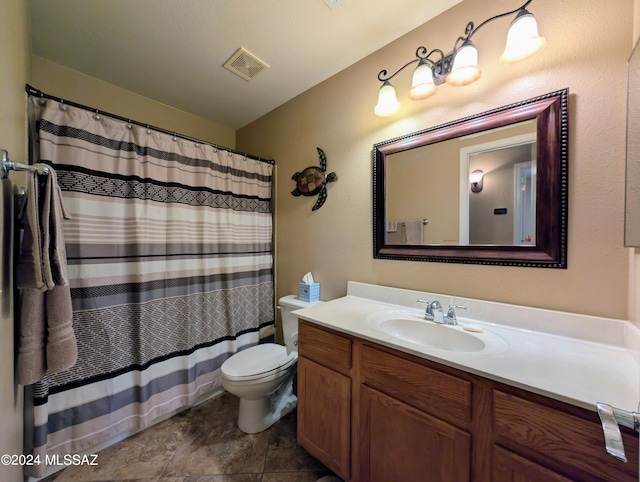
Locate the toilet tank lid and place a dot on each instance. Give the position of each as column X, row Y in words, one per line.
column 296, row 303
column 257, row 359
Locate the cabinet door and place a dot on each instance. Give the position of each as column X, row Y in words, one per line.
column 510, row 467
column 401, row 443
column 324, row 415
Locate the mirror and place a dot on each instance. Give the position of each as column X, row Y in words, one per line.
column 446, row 207
column 513, row 211
column 632, row 177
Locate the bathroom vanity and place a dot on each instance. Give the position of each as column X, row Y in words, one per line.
column 379, row 406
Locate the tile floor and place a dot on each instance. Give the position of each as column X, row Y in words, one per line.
column 204, row 444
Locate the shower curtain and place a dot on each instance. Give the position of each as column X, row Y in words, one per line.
column 169, row 251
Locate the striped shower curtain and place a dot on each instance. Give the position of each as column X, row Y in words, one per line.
column 169, row 251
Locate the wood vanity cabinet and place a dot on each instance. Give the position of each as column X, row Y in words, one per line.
column 372, row 413
column 413, row 421
column 324, row 395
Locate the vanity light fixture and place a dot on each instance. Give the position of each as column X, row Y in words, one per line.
column 461, row 66
column 475, row 178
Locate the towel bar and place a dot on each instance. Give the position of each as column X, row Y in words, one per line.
column 8, row 165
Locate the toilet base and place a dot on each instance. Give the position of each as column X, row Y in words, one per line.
column 257, row 415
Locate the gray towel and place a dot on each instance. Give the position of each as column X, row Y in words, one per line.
column 42, row 273
column 62, row 349
column 413, row 230
column 47, row 340
column 395, row 237
column 54, row 255
column 43, row 261
column 31, row 364
column 29, row 268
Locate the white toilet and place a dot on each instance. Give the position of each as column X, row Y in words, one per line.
column 262, row 375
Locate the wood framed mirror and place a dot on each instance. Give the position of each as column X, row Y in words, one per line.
column 426, row 207
column 632, row 170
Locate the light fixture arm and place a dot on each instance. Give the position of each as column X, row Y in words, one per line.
column 422, row 55
column 470, row 30
column 383, row 72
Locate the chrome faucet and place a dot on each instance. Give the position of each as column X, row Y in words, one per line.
column 433, row 312
column 451, row 319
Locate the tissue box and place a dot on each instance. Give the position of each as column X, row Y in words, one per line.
column 309, row 292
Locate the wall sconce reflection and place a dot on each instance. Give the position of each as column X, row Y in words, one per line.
column 475, row 178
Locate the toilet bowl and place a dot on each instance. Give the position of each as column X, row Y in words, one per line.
column 262, row 375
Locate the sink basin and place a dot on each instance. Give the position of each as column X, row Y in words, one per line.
column 413, row 328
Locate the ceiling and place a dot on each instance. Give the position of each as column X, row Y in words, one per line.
column 173, row 51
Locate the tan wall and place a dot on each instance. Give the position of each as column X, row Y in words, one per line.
column 588, row 46
column 60, row 81
column 14, row 58
column 414, row 193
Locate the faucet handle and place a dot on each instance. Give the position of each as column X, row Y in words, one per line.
column 428, row 314
column 431, row 305
column 451, row 314
column 453, row 307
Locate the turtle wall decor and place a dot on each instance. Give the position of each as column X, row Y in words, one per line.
column 313, row 180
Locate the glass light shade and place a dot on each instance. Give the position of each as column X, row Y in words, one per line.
column 465, row 66
column 523, row 39
column 387, row 102
column 476, row 176
column 423, row 85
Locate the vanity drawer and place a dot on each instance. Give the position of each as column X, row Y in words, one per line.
column 445, row 396
column 324, row 346
column 569, row 440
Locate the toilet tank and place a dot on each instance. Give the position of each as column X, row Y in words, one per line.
column 287, row 305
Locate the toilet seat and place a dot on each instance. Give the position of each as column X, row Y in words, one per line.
column 257, row 362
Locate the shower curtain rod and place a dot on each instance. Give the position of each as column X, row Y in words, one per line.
column 32, row 91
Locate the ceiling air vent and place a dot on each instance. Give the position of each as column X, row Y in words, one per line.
column 244, row 64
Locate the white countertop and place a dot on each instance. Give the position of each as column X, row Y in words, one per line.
column 577, row 359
